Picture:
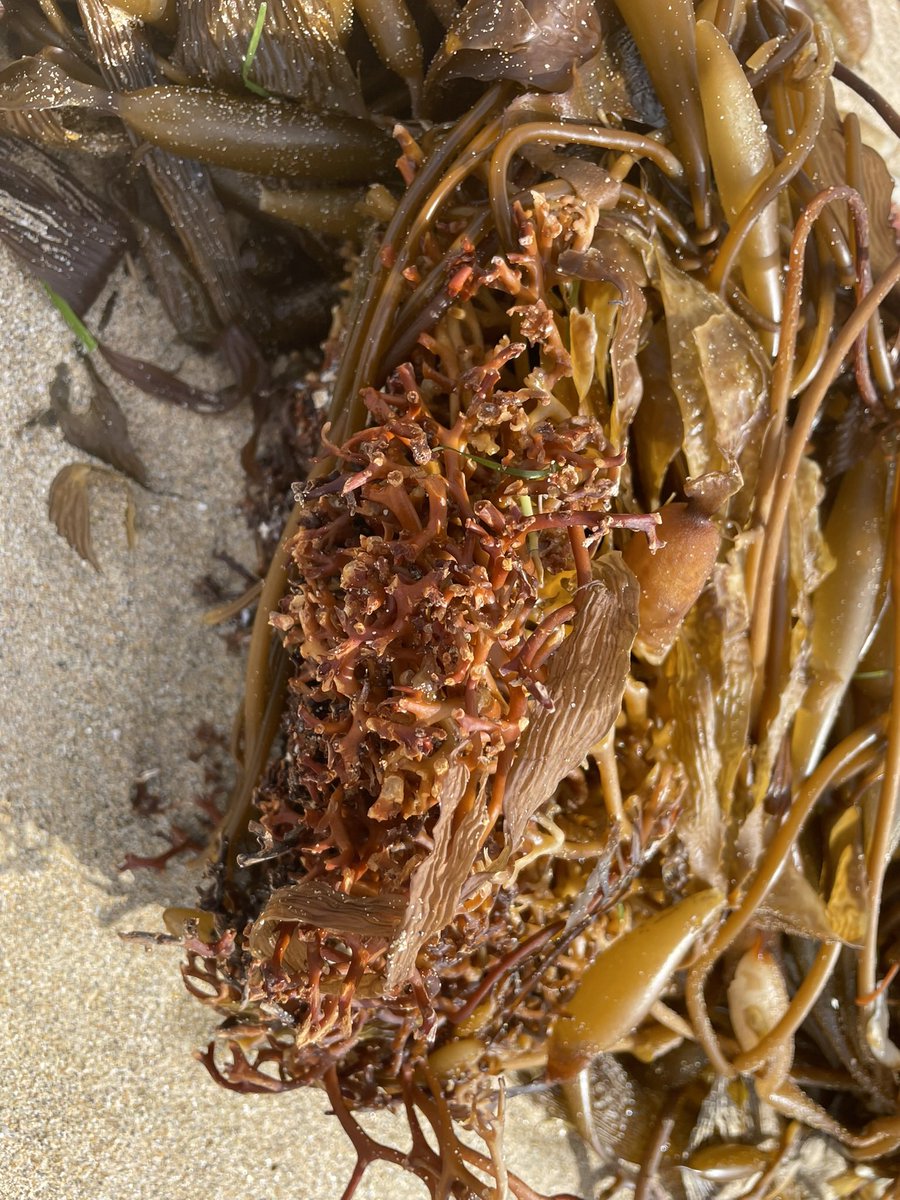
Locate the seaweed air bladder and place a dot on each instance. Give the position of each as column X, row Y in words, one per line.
column 569, row 754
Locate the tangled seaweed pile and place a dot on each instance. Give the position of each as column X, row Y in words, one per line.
column 570, row 750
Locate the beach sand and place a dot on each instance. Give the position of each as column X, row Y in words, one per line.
column 104, row 677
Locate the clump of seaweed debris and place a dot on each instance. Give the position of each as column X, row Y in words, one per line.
column 570, row 749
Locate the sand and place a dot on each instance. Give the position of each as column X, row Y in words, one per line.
column 104, row 677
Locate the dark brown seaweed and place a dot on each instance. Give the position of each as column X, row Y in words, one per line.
column 101, row 430
column 55, row 226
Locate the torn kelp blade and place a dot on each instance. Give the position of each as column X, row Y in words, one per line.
column 585, row 681
column 69, row 506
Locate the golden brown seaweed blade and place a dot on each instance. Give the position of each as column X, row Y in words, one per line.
column 586, row 681
column 621, row 986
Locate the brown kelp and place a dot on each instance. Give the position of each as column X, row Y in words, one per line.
column 570, row 749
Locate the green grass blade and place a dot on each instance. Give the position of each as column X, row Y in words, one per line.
column 516, row 472
column 251, row 51
column 72, row 319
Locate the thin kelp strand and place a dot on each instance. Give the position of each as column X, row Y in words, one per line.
column 621, row 168
column 165, row 385
column 580, row 556
column 801, row 1005
column 58, row 22
column 229, row 609
column 562, row 135
column 782, row 381
column 262, row 692
column 645, row 1187
column 611, row 785
column 372, row 350
column 813, row 91
column 780, row 388
column 537, row 639
column 880, row 1137
column 880, row 988
column 826, row 307
column 779, row 629
column 857, row 752
column 810, row 403
column 563, row 942
column 346, row 383
column 885, row 110
column 576, row 1095
column 644, row 202
column 254, row 756
column 665, row 38
column 835, row 241
column 430, row 298
column 879, row 843
column 785, row 52
column 877, row 346
column 742, row 306
column 764, row 21
column 505, row 967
